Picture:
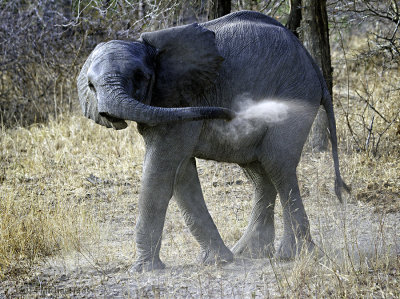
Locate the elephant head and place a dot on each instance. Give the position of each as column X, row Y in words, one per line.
column 152, row 80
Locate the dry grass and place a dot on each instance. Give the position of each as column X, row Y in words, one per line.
column 49, row 188
column 367, row 98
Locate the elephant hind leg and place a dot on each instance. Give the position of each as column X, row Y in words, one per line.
column 296, row 234
column 188, row 195
column 280, row 154
column 258, row 238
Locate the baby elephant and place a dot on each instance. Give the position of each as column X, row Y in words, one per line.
column 182, row 85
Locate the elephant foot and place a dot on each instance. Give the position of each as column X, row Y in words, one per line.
column 219, row 256
column 288, row 248
column 147, row 265
column 254, row 247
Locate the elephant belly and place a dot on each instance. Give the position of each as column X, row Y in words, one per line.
column 228, row 142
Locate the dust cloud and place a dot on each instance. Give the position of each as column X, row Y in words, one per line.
column 266, row 111
column 253, row 116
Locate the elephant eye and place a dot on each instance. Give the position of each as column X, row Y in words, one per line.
column 138, row 75
column 91, row 86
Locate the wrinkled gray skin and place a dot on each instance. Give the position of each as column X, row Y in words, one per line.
column 179, row 85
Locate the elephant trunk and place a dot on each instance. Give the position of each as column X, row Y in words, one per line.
column 115, row 102
column 127, row 108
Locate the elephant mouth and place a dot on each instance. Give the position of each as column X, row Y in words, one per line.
column 116, row 123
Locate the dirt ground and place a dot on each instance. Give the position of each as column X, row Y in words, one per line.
column 349, row 235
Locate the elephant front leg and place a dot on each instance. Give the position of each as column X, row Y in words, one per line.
column 188, row 194
column 258, row 239
column 155, row 194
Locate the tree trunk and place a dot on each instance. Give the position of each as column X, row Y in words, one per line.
column 294, row 20
column 219, row 8
column 314, row 34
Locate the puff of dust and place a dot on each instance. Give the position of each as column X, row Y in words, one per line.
column 252, row 116
column 266, row 111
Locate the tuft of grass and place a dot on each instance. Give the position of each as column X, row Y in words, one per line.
column 310, row 277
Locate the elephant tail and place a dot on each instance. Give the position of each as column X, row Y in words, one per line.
column 339, row 183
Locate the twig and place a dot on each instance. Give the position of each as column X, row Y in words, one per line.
column 383, row 132
column 372, row 107
column 369, row 132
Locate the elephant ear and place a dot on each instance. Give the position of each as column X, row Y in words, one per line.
column 187, row 63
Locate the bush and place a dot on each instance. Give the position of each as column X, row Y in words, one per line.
column 38, row 63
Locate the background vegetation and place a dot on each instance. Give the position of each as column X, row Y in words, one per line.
column 64, row 180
